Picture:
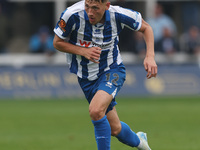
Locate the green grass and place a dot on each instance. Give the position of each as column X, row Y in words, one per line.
column 172, row 123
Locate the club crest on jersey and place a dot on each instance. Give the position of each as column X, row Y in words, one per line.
column 62, row 25
column 97, row 31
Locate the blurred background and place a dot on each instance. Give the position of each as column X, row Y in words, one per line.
column 42, row 106
column 31, row 67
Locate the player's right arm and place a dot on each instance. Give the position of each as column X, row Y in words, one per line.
column 92, row 53
column 64, row 28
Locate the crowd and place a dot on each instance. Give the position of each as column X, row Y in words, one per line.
column 167, row 40
column 15, row 35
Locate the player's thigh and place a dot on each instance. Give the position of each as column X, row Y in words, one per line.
column 99, row 104
column 114, row 121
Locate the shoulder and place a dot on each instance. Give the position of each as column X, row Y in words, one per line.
column 116, row 9
column 124, row 12
column 73, row 10
column 121, row 10
column 79, row 6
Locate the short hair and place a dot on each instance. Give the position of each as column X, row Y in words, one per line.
column 100, row 1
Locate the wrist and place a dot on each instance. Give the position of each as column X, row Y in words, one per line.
column 150, row 55
column 81, row 51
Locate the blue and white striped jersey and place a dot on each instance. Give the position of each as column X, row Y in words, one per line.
column 74, row 24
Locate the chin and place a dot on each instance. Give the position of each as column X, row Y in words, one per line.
column 93, row 23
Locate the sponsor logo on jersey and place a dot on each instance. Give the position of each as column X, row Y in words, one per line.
column 84, row 43
column 103, row 46
column 93, row 44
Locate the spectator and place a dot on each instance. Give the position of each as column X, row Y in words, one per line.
column 159, row 23
column 168, row 43
column 190, row 41
column 42, row 42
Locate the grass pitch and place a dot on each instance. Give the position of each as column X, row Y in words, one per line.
column 171, row 123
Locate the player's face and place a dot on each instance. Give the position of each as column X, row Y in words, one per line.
column 95, row 11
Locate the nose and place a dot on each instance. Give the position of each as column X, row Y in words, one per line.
column 90, row 12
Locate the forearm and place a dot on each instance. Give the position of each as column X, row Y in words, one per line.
column 149, row 61
column 66, row 47
column 148, row 37
column 92, row 53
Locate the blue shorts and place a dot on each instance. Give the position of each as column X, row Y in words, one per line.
column 110, row 81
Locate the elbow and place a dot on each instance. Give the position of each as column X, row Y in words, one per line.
column 59, row 44
column 55, row 44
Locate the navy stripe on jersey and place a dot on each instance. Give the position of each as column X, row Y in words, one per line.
column 88, row 37
column 115, row 54
column 73, row 37
column 115, row 50
column 84, row 63
column 74, row 65
column 88, row 29
column 128, row 21
column 119, row 27
column 69, row 25
column 103, row 61
column 107, row 32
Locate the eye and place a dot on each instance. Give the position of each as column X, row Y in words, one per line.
column 86, row 6
column 95, row 8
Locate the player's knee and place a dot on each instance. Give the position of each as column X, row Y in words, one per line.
column 96, row 114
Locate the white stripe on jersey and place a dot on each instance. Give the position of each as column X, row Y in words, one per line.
column 77, row 7
column 93, row 69
column 80, row 36
column 119, row 57
column 114, row 35
column 79, row 73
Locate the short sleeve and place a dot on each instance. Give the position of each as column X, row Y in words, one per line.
column 64, row 25
column 129, row 18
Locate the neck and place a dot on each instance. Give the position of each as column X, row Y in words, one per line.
column 103, row 19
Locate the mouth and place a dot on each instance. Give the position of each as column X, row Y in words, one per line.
column 92, row 19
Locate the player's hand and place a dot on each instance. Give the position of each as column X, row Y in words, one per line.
column 150, row 66
column 93, row 54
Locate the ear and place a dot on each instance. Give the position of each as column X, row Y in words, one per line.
column 107, row 5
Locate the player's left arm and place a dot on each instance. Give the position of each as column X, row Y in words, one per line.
column 149, row 61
